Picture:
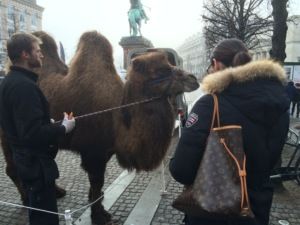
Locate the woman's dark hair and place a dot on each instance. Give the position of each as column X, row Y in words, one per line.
column 231, row 52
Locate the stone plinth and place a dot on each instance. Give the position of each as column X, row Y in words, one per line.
column 133, row 42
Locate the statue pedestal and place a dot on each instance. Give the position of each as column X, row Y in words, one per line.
column 133, row 42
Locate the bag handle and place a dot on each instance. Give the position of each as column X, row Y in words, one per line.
column 245, row 204
column 216, row 113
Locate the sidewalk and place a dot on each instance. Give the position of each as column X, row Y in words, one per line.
column 131, row 204
column 286, row 205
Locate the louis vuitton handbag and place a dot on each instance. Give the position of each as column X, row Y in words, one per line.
column 220, row 188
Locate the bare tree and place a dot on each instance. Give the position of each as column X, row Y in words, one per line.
column 280, row 15
column 235, row 19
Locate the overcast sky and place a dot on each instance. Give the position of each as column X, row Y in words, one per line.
column 171, row 21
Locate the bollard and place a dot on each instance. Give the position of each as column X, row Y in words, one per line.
column 180, row 125
column 283, row 222
column 163, row 191
column 68, row 217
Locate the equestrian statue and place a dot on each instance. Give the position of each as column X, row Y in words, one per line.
column 136, row 14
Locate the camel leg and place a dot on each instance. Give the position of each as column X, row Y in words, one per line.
column 95, row 167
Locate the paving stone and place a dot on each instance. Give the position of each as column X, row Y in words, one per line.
column 72, row 177
column 286, row 205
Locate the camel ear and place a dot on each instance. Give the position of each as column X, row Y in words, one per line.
column 139, row 65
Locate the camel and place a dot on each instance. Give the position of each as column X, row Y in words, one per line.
column 139, row 135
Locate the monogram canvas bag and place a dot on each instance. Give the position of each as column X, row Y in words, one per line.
column 220, row 188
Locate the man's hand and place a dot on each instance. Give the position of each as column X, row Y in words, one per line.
column 68, row 122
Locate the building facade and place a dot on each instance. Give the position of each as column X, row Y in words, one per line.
column 292, row 43
column 17, row 16
column 194, row 55
column 292, row 50
column 196, row 58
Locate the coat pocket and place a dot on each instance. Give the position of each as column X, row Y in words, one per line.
column 28, row 166
column 49, row 168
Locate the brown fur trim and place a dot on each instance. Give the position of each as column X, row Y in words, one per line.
column 217, row 82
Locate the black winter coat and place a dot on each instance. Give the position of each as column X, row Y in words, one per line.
column 252, row 96
column 25, row 122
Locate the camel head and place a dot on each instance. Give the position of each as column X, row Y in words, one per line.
column 155, row 76
column 144, row 131
column 52, row 64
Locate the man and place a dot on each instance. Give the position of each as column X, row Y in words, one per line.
column 25, row 121
column 137, row 5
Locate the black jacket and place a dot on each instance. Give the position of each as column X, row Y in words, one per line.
column 291, row 91
column 25, row 122
column 252, row 96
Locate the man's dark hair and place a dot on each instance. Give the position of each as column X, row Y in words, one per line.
column 18, row 43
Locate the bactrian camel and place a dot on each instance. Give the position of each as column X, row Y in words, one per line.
column 139, row 135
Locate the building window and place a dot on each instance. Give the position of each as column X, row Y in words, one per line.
column 34, row 20
column 288, row 71
column 11, row 13
column 0, row 29
column 22, row 21
column 298, row 58
column 11, row 20
column 11, row 31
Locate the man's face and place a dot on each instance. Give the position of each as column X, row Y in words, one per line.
column 35, row 57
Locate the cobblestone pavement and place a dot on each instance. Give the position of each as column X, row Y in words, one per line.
column 286, row 205
column 72, row 178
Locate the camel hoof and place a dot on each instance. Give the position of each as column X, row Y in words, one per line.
column 60, row 192
column 101, row 218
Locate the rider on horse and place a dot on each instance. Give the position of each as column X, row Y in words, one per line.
column 136, row 4
column 136, row 13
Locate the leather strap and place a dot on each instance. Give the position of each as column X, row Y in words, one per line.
column 216, row 114
column 245, row 205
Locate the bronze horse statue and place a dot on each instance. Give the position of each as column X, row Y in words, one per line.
column 135, row 15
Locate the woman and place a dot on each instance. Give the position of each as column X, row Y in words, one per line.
column 251, row 94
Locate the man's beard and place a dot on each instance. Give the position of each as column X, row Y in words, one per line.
column 34, row 63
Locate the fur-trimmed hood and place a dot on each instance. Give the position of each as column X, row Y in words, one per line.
column 217, row 82
column 255, row 89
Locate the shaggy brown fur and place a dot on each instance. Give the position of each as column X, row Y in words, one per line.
column 142, row 143
column 51, row 62
column 92, row 84
column 140, row 135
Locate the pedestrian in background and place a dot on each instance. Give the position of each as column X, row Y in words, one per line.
column 25, row 122
column 252, row 95
column 296, row 100
column 294, row 96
